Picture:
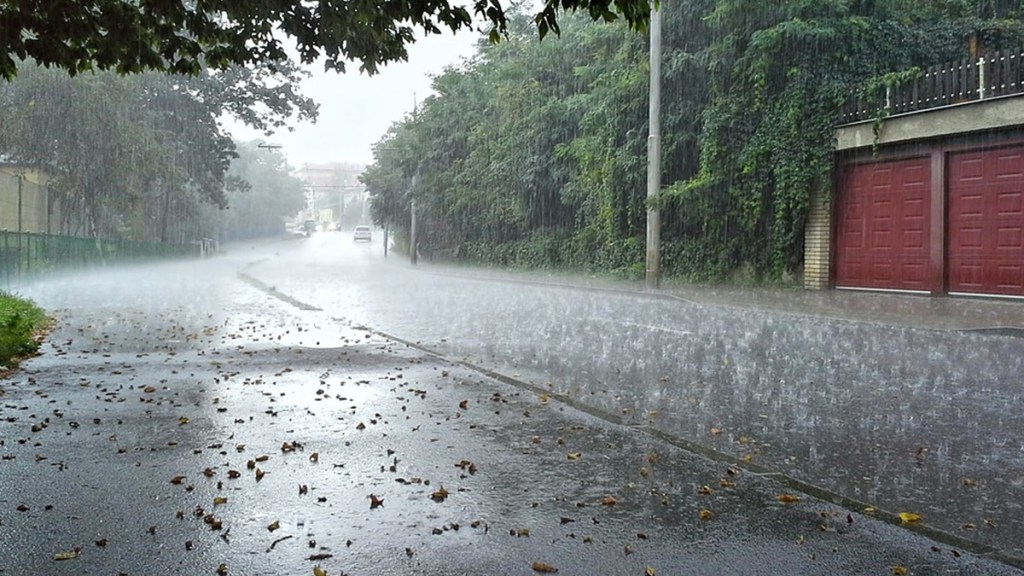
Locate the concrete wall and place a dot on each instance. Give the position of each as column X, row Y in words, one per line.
column 975, row 116
column 27, row 188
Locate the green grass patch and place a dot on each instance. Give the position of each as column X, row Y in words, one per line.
column 20, row 321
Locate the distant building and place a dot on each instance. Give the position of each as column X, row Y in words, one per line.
column 334, row 194
column 25, row 204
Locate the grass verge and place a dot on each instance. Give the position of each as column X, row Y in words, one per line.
column 20, row 322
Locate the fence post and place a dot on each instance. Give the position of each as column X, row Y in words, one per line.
column 981, row 78
column 888, row 98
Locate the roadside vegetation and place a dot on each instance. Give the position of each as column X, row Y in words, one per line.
column 533, row 154
column 20, row 322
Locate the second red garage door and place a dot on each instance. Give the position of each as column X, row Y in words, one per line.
column 986, row 219
column 882, row 226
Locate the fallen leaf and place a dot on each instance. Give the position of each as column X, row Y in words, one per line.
column 314, row 457
column 375, row 501
column 149, row 389
column 909, row 517
column 222, row 569
column 274, row 525
column 234, row 474
column 259, row 474
column 218, row 500
column 544, row 568
column 705, row 490
column 609, row 501
column 787, row 498
column 726, row 483
column 716, row 431
column 318, row 571
column 574, row 455
column 440, row 495
column 464, row 404
column 706, row 514
column 69, row 555
column 899, row 570
column 182, row 421
column 521, row 532
column 101, row 542
column 648, row 571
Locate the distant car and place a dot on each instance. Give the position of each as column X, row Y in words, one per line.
column 362, row 233
column 309, row 226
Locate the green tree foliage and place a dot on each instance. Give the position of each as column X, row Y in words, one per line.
column 185, row 36
column 534, row 153
column 138, row 156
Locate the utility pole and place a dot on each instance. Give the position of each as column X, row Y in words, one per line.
column 653, row 275
column 412, row 231
column 412, row 214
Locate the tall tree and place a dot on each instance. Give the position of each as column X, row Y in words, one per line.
column 186, row 36
column 135, row 154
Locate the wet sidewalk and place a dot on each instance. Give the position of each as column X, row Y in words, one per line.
column 980, row 313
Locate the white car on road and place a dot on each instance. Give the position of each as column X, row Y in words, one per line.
column 362, row 233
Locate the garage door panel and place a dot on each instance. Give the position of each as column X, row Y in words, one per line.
column 882, row 225
column 1009, row 203
column 986, row 222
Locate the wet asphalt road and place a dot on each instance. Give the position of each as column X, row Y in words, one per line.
column 891, row 415
column 163, row 389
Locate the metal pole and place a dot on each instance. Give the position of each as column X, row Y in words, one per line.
column 653, row 276
column 21, row 179
column 412, row 232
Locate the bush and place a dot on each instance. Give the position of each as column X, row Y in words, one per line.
column 20, row 321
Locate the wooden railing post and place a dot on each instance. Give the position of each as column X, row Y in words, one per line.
column 981, row 78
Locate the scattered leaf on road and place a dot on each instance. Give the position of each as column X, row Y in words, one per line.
column 787, row 498
column 574, row 455
column 69, row 555
column 544, row 568
column 899, row 570
column 274, row 525
column 909, row 517
column 609, row 501
column 706, row 514
column 375, row 501
column 440, row 495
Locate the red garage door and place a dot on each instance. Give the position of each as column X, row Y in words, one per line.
column 986, row 218
column 882, row 226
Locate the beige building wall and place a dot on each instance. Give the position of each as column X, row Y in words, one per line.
column 27, row 188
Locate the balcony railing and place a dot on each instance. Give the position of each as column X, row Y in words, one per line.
column 970, row 79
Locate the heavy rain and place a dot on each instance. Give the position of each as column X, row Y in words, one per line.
column 218, row 356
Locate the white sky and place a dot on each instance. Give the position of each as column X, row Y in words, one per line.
column 356, row 109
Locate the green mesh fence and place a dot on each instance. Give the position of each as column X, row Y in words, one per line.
column 27, row 254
